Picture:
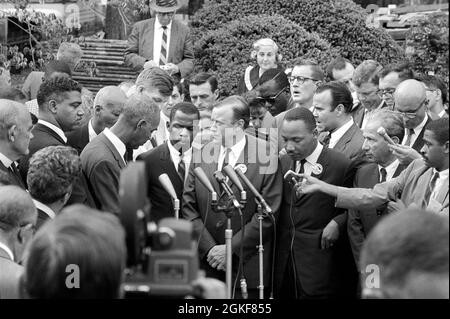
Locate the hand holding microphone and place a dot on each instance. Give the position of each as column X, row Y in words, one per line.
column 382, row 131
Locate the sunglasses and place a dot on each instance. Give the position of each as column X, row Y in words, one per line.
column 270, row 99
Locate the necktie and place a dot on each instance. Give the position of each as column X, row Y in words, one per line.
column 326, row 140
column 431, row 187
column 182, row 169
column 300, row 169
column 15, row 172
column 409, row 134
column 163, row 54
column 383, row 174
column 226, row 159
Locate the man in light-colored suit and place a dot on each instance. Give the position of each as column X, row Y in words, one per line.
column 231, row 145
column 104, row 157
column 161, row 41
column 423, row 184
column 17, row 221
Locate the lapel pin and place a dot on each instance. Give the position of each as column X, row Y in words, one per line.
column 242, row 167
column 317, row 169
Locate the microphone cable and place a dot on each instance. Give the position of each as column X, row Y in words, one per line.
column 292, row 242
column 273, row 254
column 204, row 222
column 241, row 262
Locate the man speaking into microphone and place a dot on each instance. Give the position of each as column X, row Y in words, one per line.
column 259, row 163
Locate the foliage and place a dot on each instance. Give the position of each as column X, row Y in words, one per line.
column 226, row 51
column 341, row 22
column 426, row 45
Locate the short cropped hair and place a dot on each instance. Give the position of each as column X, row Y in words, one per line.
column 186, row 108
column 16, row 208
column 68, row 52
column 202, row 78
column 241, row 110
column 56, row 66
column 404, row 70
column 138, row 107
column 435, row 83
column 391, row 121
column 52, row 173
column 338, row 63
column 409, row 243
column 439, row 128
column 367, row 72
column 87, row 240
column 9, row 112
column 301, row 114
column 340, row 94
column 317, row 72
column 56, row 88
column 156, row 78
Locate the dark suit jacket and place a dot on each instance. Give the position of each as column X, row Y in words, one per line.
column 102, row 164
column 140, row 46
column 79, row 138
column 350, row 144
column 42, row 218
column 43, row 137
column 321, row 273
column 265, row 175
column 13, row 178
column 10, row 273
column 157, row 162
column 361, row 222
column 419, row 142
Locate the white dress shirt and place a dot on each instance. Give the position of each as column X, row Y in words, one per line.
column 311, row 161
column 236, row 151
column 8, row 251
column 118, row 144
column 390, row 169
column 367, row 114
column 441, row 115
column 55, row 129
column 6, row 161
column 176, row 158
column 337, row 134
column 157, row 39
column 91, row 131
column 443, row 177
column 417, row 131
column 50, row 213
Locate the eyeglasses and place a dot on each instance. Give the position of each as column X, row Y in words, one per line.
column 300, row 79
column 412, row 114
column 385, row 92
column 270, row 99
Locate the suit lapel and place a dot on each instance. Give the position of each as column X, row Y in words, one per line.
column 149, row 32
column 346, row 138
column 443, row 193
column 169, row 166
column 120, row 160
column 418, row 143
column 48, row 130
column 173, row 41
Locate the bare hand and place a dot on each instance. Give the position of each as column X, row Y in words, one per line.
column 329, row 235
column 170, row 68
column 150, row 64
column 405, row 154
column 216, row 257
column 308, row 185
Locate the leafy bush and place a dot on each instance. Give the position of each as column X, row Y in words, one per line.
column 226, row 51
column 426, row 45
column 341, row 22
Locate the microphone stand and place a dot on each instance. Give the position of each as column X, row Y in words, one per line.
column 228, row 207
column 260, row 252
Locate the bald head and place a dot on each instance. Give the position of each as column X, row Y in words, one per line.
column 108, row 105
column 110, row 95
column 16, row 208
column 410, row 99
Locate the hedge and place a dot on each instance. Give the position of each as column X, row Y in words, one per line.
column 426, row 45
column 226, row 51
column 341, row 22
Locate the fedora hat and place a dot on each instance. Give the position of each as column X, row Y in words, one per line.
column 164, row 5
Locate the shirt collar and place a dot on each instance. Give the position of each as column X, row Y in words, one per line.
column 92, row 133
column 314, row 156
column 8, row 251
column 118, row 144
column 159, row 26
column 6, row 161
column 442, row 174
column 419, row 127
column 337, row 134
column 44, row 208
column 441, row 115
column 236, row 149
column 175, row 154
column 390, row 169
column 55, row 129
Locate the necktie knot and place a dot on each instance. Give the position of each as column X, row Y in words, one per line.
column 226, row 159
column 300, row 169
column 383, row 174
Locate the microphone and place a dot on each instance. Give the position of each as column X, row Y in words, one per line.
column 168, row 187
column 292, row 177
column 218, row 175
column 201, row 175
column 382, row 131
column 229, row 171
column 254, row 191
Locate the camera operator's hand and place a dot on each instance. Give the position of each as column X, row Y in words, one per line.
column 216, row 257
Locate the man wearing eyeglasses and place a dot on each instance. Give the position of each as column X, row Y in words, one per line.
column 410, row 102
column 161, row 41
column 390, row 77
column 17, row 222
column 436, row 95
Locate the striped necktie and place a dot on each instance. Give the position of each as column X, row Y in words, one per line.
column 163, row 54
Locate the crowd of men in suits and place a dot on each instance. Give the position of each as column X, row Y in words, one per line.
column 354, row 167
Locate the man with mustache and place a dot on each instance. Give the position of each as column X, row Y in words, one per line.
column 423, row 184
